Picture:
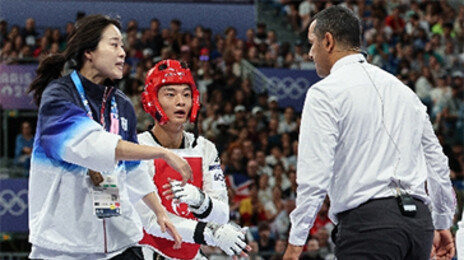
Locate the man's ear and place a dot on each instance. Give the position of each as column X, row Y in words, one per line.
column 329, row 42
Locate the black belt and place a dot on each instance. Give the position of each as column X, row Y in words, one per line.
column 344, row 213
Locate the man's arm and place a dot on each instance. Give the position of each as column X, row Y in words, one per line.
column 438, row 179
column 441, row 192
column 229, row 238
column 292, row 252
column 317, row 141
column 215, row 187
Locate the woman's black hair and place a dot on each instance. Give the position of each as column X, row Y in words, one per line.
column 85, row 37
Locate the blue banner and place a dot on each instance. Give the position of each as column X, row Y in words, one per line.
column 13, row 205
column 213, row 14
column 290, row 86
column 14, row 82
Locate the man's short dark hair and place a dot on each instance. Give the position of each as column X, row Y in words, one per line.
column 341, row 23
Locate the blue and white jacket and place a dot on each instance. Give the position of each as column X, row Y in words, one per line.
column 68, row 143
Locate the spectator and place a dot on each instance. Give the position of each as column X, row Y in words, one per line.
column 274, row 206
column 280, row 178
column 252, row 210
column 261, row 33
column 292, row 159
column 265, row 240
column 7, row 52
column 281, row 223
column 42, row 48
column 291, row 192
column 263, row 167
column 280, row 246
column 23, row 146
column 258, row 114
column 3, row 31
column 223, row 137
column 440, row 95
column 57, row 38
column 312, row 250
column 322, row 236
column 255, row 250
column 288, row 124
column 453, row 115
column 252, row 170
column 379, row 50
column 18, row 43
column 239, row 119
column 29, row 33
column 236, row 165
column 253, row 134
column 306, row 9
column 209, row 124
column 395, row 22
column 424, row 85
column 264, row 189
column 250, row 39
column 276, row 157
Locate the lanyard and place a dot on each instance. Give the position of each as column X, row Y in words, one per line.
column 114, row 128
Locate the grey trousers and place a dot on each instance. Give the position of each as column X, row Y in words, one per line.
column 378, row 230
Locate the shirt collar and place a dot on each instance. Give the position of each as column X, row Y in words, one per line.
column 347, row 60
column 92, row 91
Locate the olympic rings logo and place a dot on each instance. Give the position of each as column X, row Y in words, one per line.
column 13, row 203
column 293, row 88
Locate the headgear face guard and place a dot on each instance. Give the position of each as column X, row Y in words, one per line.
column 168, row 72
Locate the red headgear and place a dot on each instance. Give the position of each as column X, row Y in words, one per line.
column 168, row 72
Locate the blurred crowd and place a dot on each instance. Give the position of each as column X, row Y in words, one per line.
column 421, row 42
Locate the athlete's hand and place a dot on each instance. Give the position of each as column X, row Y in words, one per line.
column 229, row 238
column 179, row 164
column 187, row 193
column 166, row 225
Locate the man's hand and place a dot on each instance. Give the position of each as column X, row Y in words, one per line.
column 229, row 238
column 443, row 245
column 292, row 252
column 187, row 193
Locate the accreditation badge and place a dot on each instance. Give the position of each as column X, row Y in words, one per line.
column 106, row 201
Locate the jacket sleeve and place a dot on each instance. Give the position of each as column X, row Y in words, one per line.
column 139, row 183
column 67, row 134
column 215, row 187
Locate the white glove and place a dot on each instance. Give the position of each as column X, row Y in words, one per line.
column 228, row 237
column 198, row 202
column 187, row 194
